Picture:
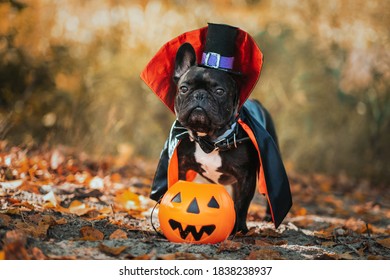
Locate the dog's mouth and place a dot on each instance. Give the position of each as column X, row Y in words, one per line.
column 196, row 231
column 198, row 120
column 198, row 114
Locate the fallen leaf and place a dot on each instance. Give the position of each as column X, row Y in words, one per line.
column 70, row 178
column 96, row 183
column 12, row 211
column 115, row 251
column 252, row 232
column 79, row 208
column 14, row 246
column 269, row 232
column 178, row 256
column 384, row 242
column 128, row 200
column 91, row 234
column 376, row 257
column 345, row 256
column 4, row 220
column 11, row 185
column 265, row 254
column 15, row 251
column 116, row 178
column 326, row 256
column 300, row 211
column 149, row 256
column 56, row 159
column 328, row 243
column 229, row 245
column 327, row 233
column 106, row 210
column 39, row 231
column 280, row 242
column 118, row 234
column 15, row 235
column 259, row 242
column 52, row 198
column 82, row 178
column 38, row 254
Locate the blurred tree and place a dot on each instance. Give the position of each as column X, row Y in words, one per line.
column 69, row 74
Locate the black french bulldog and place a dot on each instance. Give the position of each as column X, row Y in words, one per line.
column 218, row 148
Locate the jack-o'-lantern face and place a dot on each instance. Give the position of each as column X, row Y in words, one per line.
column 196, row 213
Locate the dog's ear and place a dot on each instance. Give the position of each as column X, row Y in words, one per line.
column 185, row 58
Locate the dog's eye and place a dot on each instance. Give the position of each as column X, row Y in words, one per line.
column 220, row 91
column 183, row 89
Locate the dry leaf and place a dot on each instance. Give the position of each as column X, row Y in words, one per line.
column 327, row 233
column 265, row 254
column 15, row 235
column 78, row 208
column 151, row 255
column 328, row 243
column 2, row 255
column 345, row 256
column 179, row 256
column 15, row 251
column 14, row 246
column 299, row 211
column 96, row 183
column 259, row 242
column 91, row 234
column 116, row 178
column 38, row 254
column 229, row 245
column 52, row 198
column 56, row 159
column 115, row 251
column 376, row 257
column 39, row 231
column 11, row 185
column 118, row 234
column 128, row 200
column 268, row 232
column 4, row 220
column 327, row 256
column 384, row 242
column 82, row 178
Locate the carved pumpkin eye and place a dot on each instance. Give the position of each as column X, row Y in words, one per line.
column 193, row 207
column 213, row 203
column 177, row 198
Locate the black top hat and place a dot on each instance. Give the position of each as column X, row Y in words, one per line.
column 220, row 47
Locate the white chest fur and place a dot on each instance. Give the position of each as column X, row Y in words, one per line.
column 209, row 163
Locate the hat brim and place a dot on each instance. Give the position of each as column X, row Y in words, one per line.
column 159, row 71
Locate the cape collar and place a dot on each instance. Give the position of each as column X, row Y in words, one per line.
column 225, row 142
column 159, row 71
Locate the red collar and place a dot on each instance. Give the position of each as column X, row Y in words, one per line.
column 159, row 71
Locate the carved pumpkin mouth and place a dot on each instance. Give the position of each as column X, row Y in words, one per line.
column 197, row 234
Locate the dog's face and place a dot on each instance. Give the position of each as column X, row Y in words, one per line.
column 207, row 99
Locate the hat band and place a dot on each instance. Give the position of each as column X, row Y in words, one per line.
column 215, row 60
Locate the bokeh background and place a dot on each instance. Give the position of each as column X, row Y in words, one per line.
column 69, row 75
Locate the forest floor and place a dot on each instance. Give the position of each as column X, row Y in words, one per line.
column 59, row 205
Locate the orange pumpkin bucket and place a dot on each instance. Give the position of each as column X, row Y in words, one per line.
column 196, row 213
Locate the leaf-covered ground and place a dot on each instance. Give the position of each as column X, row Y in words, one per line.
column 60, row 205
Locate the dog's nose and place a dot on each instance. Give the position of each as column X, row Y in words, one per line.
column 199, row 95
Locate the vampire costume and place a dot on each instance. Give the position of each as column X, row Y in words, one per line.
column 246, row 64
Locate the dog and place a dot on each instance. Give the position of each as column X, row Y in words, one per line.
column 218, row 133
column 206, row 104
